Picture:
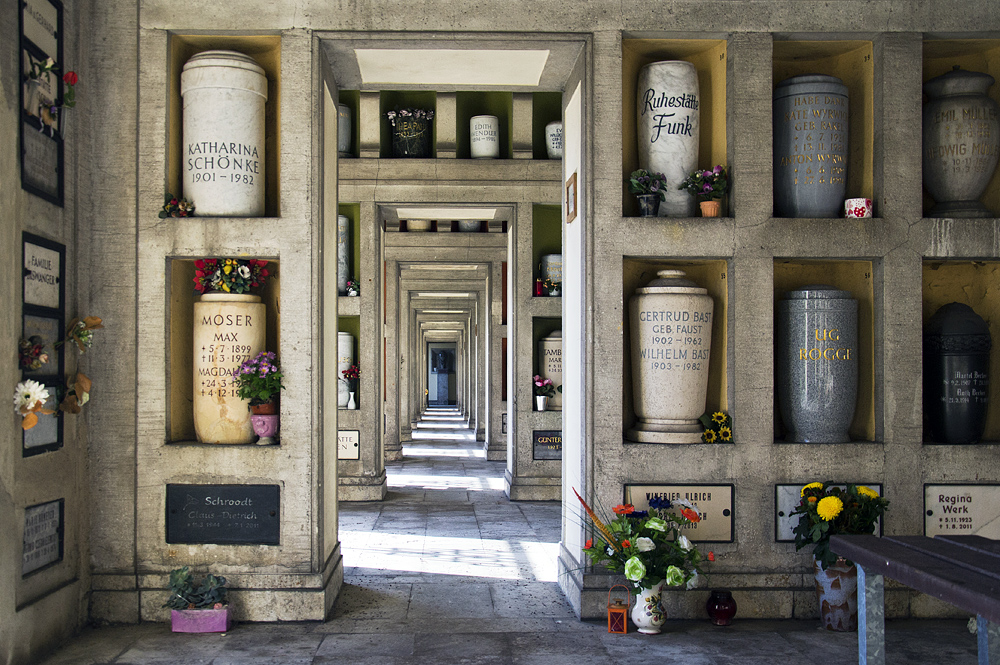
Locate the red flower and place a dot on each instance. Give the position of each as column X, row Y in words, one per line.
column 589, row 544
column 711, row 556
column 625, row 543
column 690, row 514
column 70, row 78
column 624, row 509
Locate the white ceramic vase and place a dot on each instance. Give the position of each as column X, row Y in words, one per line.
column 343, row 253
column 667, row 125
column 345, row 358
column 554, row 140
column 647, row 613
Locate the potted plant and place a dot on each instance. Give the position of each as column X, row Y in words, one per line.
column 648, row 188
column 351, row 375
column 827, row 510
column 259, row 380
column 649, row 549
column 708, row 187
column 544, row 389
column 411, row 132
column 197, row 609
column 229, row 275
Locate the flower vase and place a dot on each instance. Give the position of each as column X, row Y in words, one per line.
column 837, row 593
column 649, row 204
column 541, row 401
column 647, row 613
column 266, row 427
column 351, row 404
column 710, row 208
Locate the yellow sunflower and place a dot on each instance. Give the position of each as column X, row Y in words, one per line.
column 725, row 434
column 719, row 417
column 709, row 436
column 810, row 486
column 867, row 492
column 829, row 507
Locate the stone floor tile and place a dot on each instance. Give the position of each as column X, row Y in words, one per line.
column 466, row 648
column 441, row 601
column 372, row 601
column 353, row 648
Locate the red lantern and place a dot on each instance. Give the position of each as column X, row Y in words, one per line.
column 618, row 611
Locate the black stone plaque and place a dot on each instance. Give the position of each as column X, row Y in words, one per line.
column 223, row 514
column 547, row 444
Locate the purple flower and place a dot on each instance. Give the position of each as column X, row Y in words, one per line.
column 707, row 174
column 717, row 169
column 706, row 188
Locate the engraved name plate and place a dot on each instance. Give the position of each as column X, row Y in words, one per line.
column 715, row 502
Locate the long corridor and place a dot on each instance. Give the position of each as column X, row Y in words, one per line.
column 447, row 570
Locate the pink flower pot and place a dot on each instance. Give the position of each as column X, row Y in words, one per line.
column 200, row 621
column 265, row 427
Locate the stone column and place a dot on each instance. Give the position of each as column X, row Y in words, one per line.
column 497, row 446
column 392, row 439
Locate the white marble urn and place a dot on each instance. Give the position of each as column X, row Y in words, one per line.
column 671, row 337
column 550, row 366
column 344, row 130
column 343, row 253
column 345, row 358
column 223, row 138
column 554, row 140
column 667, row 125
column 484, row 137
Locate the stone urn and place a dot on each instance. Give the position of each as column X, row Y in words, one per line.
column 223, row 138
column 957, row 346
column 220, row 416
column 961, row 142
column 345, row 358
column 668, row 126
column 411, row 136
column 671, row 336
column 816, row 363
column 550, row 268
column 550, row 366
column 343, row 253
column 484, row 137
column 810, row 146
column 554, row 140
column 344, row 130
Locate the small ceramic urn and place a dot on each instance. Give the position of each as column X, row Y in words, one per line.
column 228, row 330
column 671, row 336
column 957, row 347
column 345, row 358
column 550, row 268
column 344, row 130
column 343, row 253
column 550, row 366
column 810, row 146
column 484, row 137
column 668, row 123
column 816, row 359
column 554, row 140
column 961, row 142
column 223, row 140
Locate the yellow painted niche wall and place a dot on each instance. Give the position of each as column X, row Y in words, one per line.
column 709, row 58
column 180, row 360
column 711, row 274
column 856, row 277
column 976, row 284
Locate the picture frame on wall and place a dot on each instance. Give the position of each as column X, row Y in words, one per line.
column 571, row 198
column 41, row 138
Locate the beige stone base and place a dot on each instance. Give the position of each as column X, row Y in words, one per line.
column 362, row 489
column 532, row 489
column 646, row 436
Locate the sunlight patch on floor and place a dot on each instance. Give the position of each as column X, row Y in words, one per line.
column 444, row 482
column 438, row 435
column 420, row 451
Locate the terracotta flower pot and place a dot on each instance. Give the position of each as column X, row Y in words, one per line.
column 711, row 208
column 265, row 409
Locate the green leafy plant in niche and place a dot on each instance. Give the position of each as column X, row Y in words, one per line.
column 184, row 595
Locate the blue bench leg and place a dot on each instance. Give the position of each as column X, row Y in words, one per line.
column 988, row 636
column 871, row 618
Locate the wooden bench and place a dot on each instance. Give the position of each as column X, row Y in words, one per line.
column 961, row 570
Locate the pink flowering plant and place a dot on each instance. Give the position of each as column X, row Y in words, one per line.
column 707, row 185
column 544, row 387
column 259, row 379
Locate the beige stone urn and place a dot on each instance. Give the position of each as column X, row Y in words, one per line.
column 229, row 329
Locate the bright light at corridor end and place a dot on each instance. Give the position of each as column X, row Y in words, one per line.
column 499, row 67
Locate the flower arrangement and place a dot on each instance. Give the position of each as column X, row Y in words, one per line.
column 416, row 114
column 81, row 331
column 707, row 185
column 175, row 207
column 229, row 275
column 544, row 387
column 718, row 427
column 828, row 510
column 77, row 394
column 552, row 288
column 351, row 375
column 646, row 546
column 353, row 287
column 29, row 353
column 642, row 181
column 184, row 595
column 259, row 378
column 29, row 400
column 38, row 68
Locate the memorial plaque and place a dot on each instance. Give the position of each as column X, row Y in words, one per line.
column 43, row 272
column 40, row 21
column 503, row 422
column 223, row 514
column 349, row 444
column 43, row 536
column 41, row 152
column 546, row 444
column 787, row 497
column 40, row 160
column 962, row 510
column 715, row 502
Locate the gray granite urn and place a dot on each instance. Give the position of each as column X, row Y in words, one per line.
column 816, row 363
column 810, row 146
column 671, row 336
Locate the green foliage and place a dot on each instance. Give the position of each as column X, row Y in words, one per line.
column 184, row 595
column 707, row 185
column 642, row 181
column 820, row 516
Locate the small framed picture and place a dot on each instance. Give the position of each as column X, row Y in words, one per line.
column 571, row 198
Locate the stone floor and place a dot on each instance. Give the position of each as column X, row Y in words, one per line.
column 447, row 570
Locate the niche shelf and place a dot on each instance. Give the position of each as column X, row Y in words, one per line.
column 390, row 100
column 971, row 283
column 546, row 107
column 711, row 274
column 180, row 362
column 471, row 104
column 546, row 238
column 709, row 58
column 851, row 61
column 848, row 275
column 266, row 50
